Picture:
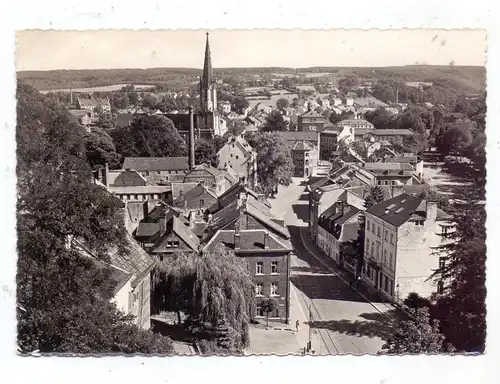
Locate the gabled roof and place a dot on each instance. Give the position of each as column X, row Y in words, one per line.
column 185, row 234
column 302, row 146
column 162, row 210
column 125, row 178
column 312, row 114
column 156, row 163
column 92, row 102
column 297, row 135
column 179, row 188
column 389, row 132
column 192, row 194
column 231, row 194
column 250, row 240
column 147, row 229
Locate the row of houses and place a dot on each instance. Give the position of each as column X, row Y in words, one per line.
column 402, row 232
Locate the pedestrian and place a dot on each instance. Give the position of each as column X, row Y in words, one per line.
column 358, row 282
column 297, row 326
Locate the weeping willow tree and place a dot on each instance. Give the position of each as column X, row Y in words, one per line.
column 213, row 289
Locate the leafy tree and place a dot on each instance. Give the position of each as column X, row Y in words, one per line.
column 240, row 104
column 204, row 152
column 64, row 300
column 456, row 139
column 418, row 335
column 149, row 101
column 282, row 103
column 268, row 305
column 274, row 166
column 100, row 149
column 337, row 118
column 275, row 122
column 375, row 195
column 462, row 307
column 235, row 127
column 149, row 136
column 380, row 118
column 211, row 289
column 415, row 301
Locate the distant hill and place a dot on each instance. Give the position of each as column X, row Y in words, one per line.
column 464, row 78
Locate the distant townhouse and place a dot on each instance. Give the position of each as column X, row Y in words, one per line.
column 197, row 199
column 310, row 121
column 348, row 101
column 391, row 173
column 129, row 185
column 393, row 136
column 159, row 169
column 401, row 238
column 338, row 225
column 409, row 158
column 305, row 159
column 214, row 179
column 356, row 123
column 239, row 155
column 131, row 274
column 91, row 104
column 337, row 101
column 225, row 106
column 83, row 116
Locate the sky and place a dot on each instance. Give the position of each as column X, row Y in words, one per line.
column 48, row 50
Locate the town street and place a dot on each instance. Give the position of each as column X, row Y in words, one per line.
column 347, row 322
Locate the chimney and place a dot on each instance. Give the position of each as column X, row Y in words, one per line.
column 241, row 199
column 431, row 211
column 191, row 139
column 191, row 219
column 266, row 240
column 237, row 239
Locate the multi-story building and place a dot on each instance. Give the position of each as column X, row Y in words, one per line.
column 240, row 156
column 91, row 104
column 392, row 173
column 401, row 237
column 268, row 260
column 311, row 121
column 305, row 159
column 337, row 225
column 393, row 136
column 356, row 123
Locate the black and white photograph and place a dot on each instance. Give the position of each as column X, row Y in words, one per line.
column 251, row 192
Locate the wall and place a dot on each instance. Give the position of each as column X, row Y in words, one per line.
column 416, row 259
column 141, row 303
column 122, row 297
column 328, row 243
column 282, row 279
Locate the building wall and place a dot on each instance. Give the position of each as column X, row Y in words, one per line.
column 380, row 247
column 406, row 260
column 141, row 303
column 394, row 180
column 305, row 163
column 328, row 243
column 142, row 196
column 234, row 156
column 282, row 279
column 416, row 258
column 122, row 297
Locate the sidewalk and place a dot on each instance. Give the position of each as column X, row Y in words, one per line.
column 281, row 338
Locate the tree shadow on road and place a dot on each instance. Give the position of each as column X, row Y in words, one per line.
column 376, row 325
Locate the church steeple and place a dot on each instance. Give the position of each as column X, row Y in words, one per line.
column 208, row 94
column 207, row 77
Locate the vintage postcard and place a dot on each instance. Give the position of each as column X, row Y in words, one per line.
column 251, row 192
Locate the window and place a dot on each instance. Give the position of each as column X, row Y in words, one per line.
column 419, row 222
column 367, row 244
column 169, row 244
column 258, row 289
column 274, row 267
column 274, row 289
column 390, row 260
column 202, row 202
column 147, row 173
column 390, row 287
column 385, row 256
column 307, row 154
column 159, row 172
column 442, row 262
column 440, row 287
column 237, row 157
column 259, row 268
column 368, row 225
column 386, row 237
column 392, row 238
column 378, row 231
column 386, row 284
column 231, row 155
column 444, row 230
column 373, row 248
column 175, row 243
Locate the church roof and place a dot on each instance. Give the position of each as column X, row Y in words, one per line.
column 207, row 77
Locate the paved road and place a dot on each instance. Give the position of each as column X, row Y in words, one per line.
column 347, row 322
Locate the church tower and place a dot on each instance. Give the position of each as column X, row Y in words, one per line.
column 208, row 93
